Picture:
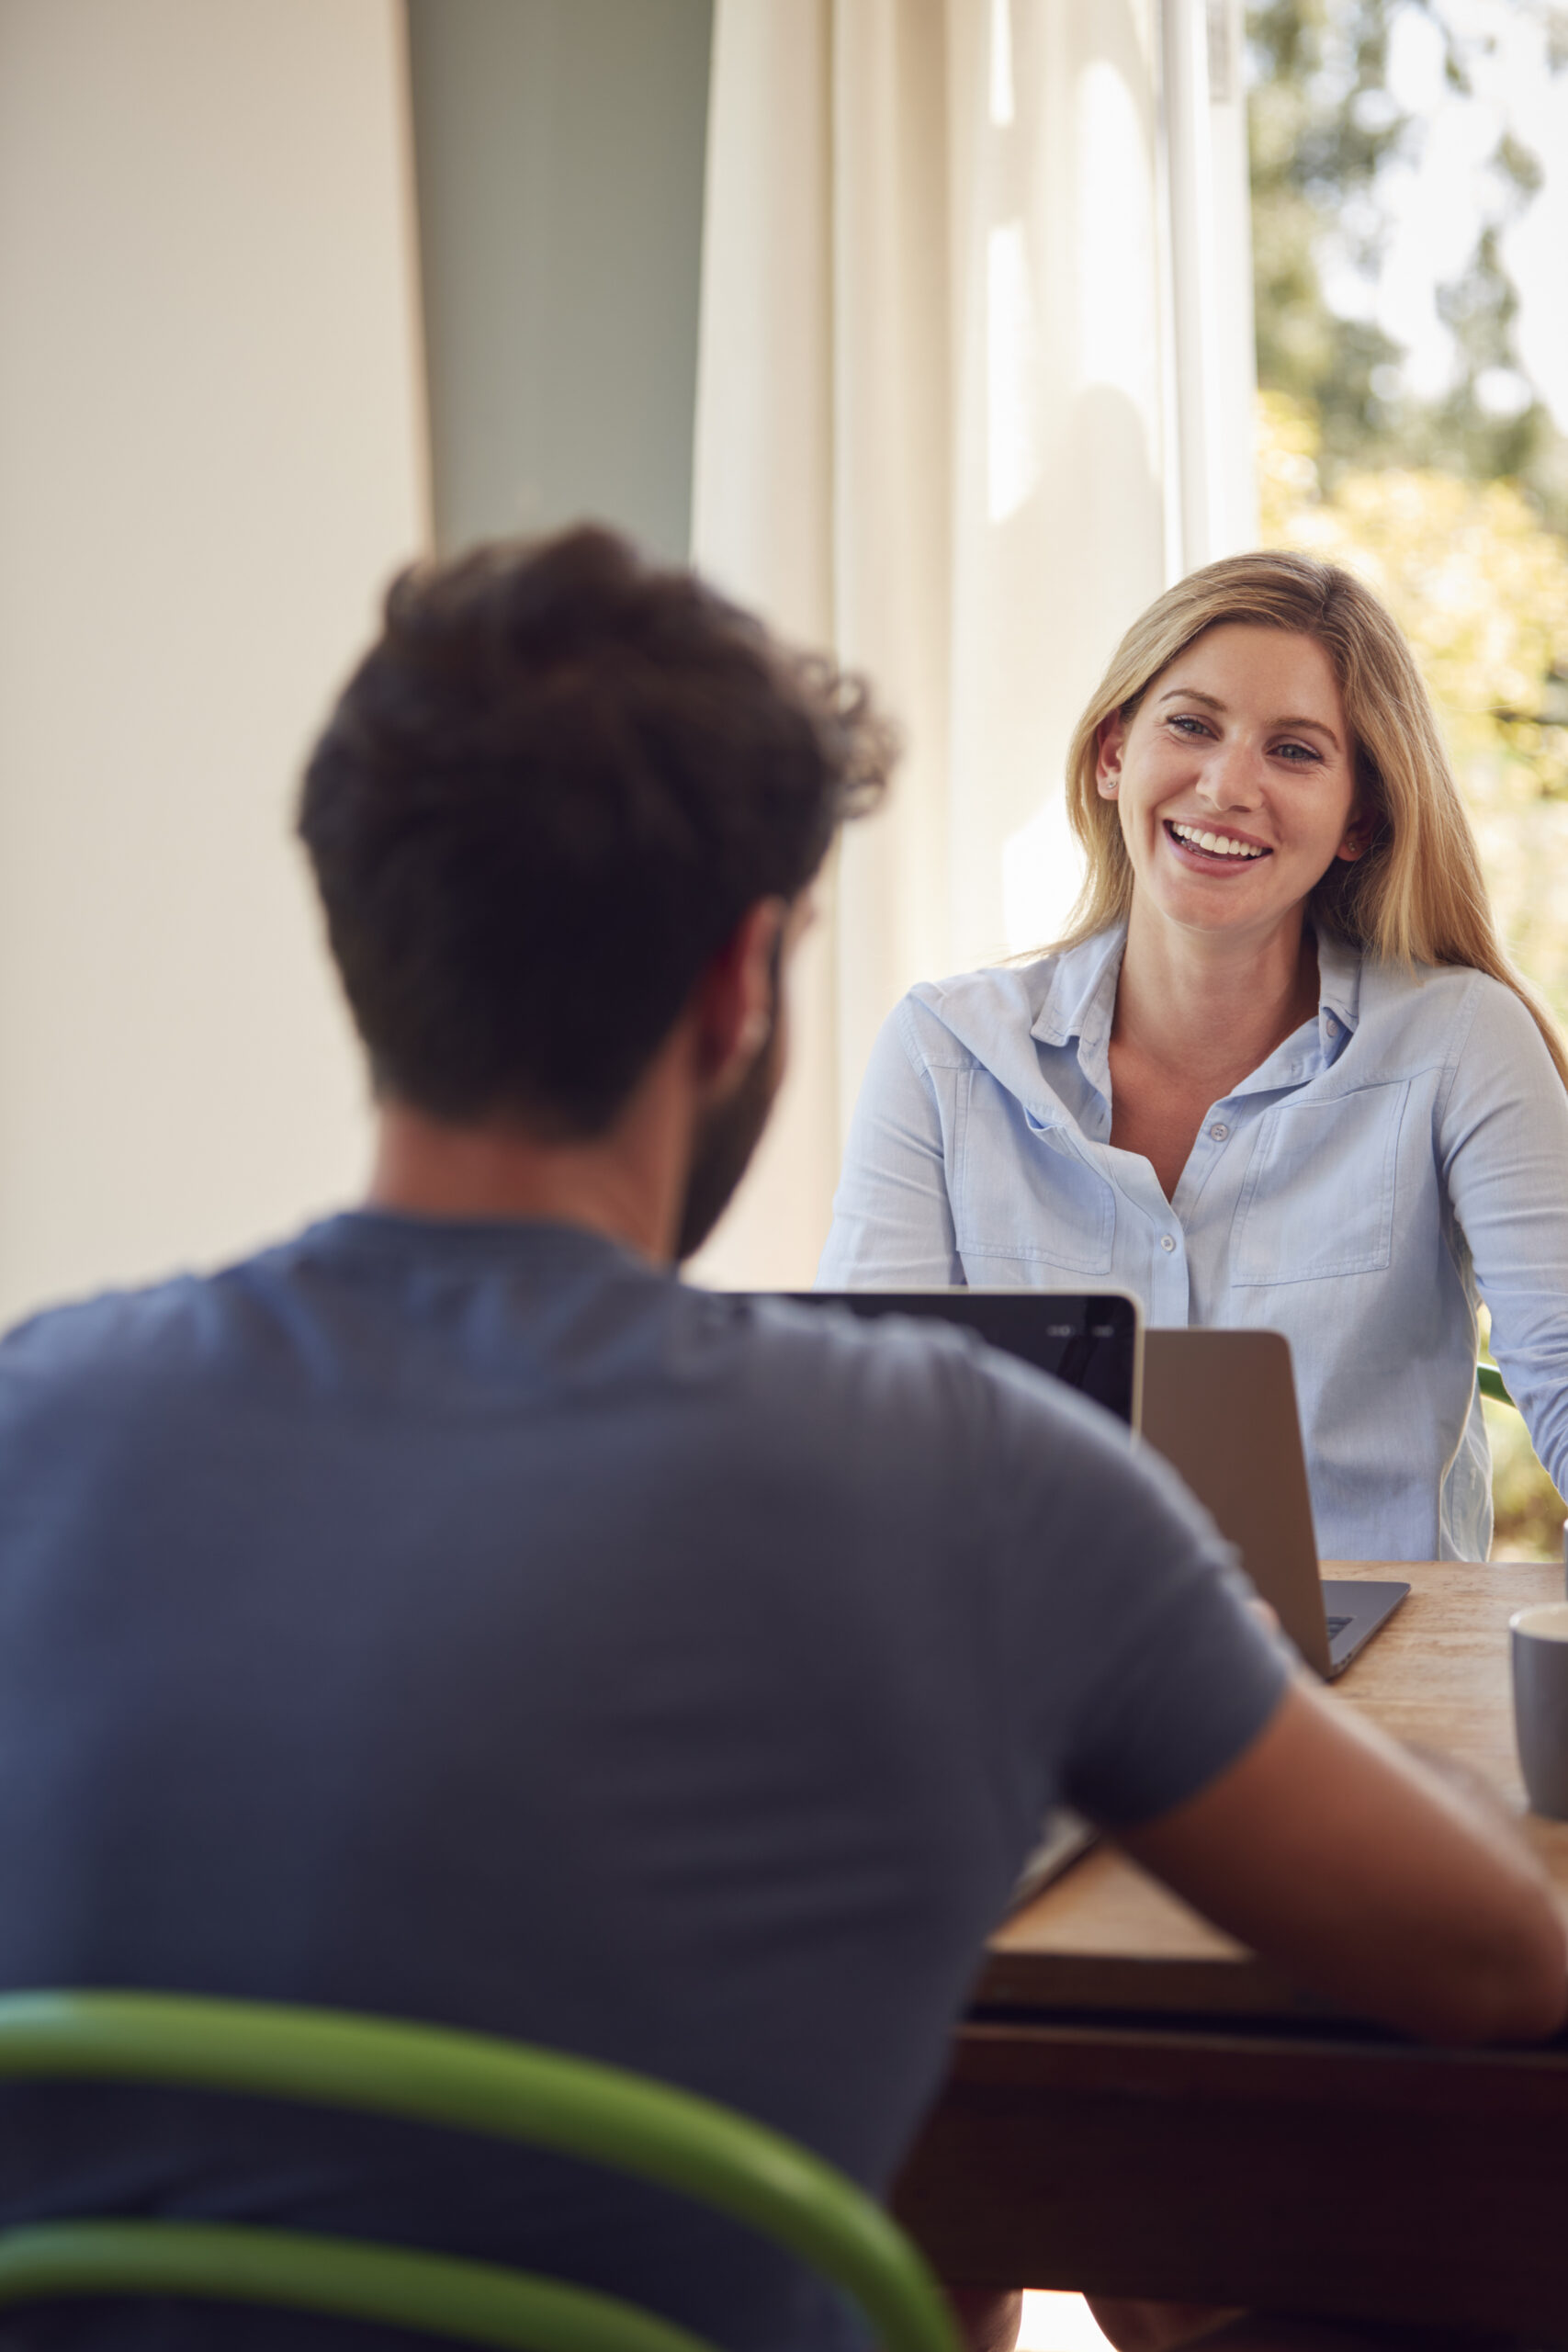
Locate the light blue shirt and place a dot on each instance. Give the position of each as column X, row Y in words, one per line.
column 1401, row 1154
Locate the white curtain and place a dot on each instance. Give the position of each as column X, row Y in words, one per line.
column 973, row 376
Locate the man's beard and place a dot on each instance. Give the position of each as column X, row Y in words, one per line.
column 721, row 1151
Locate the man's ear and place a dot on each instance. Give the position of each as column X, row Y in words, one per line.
column 735, row 1000
column 1110, row 738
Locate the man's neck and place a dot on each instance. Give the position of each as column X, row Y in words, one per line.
column 625, row 1184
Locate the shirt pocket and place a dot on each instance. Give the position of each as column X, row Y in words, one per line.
column 1319, row 1196
column 1025, row 1194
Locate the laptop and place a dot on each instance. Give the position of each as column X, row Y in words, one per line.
column 1221, row 1406
column 1091, row 1339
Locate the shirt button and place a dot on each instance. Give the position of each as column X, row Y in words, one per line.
column 1168, row 1241
column 1219, row 1130
column 1330, row 1024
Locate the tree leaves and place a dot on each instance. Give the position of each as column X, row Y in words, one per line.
column 1326, row 133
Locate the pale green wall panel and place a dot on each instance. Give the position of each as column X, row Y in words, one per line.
column 559, row 149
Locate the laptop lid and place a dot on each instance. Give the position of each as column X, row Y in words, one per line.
column 1221, row 1406
column 1091, row 1339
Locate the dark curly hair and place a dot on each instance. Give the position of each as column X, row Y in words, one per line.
column 544, row 799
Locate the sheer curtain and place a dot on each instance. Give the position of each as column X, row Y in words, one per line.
column 974, row 383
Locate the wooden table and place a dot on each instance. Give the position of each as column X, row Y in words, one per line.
column 1138, row 2106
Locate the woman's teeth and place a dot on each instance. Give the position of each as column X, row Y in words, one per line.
column 1217, row 845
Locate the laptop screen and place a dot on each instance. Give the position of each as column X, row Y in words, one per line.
column 1089, row 1339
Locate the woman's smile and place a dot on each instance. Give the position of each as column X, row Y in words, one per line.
column 1201, row 846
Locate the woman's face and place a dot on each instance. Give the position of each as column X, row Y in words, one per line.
column 1235, row 780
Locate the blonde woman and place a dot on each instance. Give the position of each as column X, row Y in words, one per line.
column 1279, row 1073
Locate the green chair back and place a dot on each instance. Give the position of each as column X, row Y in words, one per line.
column 430, row 2074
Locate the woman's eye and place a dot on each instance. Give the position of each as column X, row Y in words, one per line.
column 1302, row 754
column 1185, row 725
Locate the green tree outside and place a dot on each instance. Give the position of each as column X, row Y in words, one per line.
column 1456, row 513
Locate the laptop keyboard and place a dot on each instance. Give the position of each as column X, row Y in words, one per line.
column 1336, row 1626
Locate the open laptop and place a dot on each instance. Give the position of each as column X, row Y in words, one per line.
column 1221, row 1406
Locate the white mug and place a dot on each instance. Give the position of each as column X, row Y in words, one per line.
column 1540, row 1638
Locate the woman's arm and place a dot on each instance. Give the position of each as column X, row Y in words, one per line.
column 892, row 1218
column 1504, row 1151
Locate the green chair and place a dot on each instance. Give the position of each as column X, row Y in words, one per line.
column 1489, row 1379
column 573, row 2106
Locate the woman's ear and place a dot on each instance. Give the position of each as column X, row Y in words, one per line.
column 1354, row 840
column 1110, row 738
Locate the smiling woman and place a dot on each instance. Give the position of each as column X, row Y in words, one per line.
column 1278, row 1074
column 1235, row 789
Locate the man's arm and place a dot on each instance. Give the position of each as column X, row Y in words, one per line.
column 1328, row 1850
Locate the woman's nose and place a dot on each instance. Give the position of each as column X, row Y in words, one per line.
column 1233, row 778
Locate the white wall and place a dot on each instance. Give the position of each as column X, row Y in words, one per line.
column 210, row 459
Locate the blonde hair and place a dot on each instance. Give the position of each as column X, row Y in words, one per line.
column 1415, row 895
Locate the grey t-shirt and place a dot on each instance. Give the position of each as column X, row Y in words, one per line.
column 469, row 1621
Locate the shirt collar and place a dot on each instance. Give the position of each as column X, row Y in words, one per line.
column 1080, row 1002
column 1080, row 997
column 1313, row 1049
column 1338, row 992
